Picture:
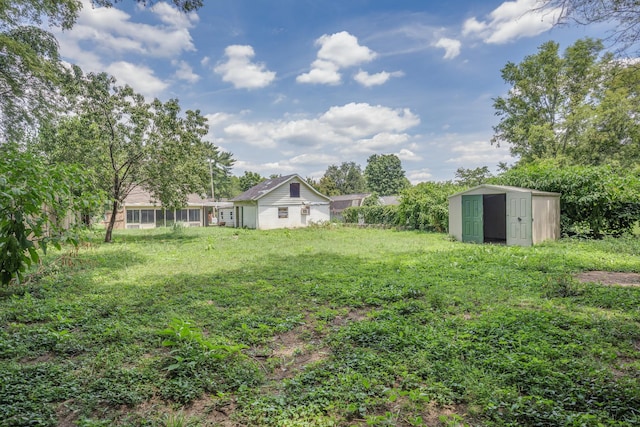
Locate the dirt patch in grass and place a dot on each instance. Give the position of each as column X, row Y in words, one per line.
column 355, row 315
column 292, row 351
column 610, row 278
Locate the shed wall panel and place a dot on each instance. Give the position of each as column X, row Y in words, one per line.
column 455, row 217
column 546, row 218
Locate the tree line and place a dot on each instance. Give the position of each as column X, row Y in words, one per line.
column 71, row 141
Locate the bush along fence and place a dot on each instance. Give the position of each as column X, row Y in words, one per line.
column 595, row 201
column 383, row 216
column 424, row 206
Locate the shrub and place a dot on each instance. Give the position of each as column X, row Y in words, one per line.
column 380, row 215
column 595, row 201
column 426, row 206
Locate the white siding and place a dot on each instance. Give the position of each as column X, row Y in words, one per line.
column 227, row 216
column 249, row 216
column 268, row 205
column 546, row 218
column 455, row 217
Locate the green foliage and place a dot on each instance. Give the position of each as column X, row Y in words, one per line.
column 366, row 326
column 250, row 179
column 574, row 107
column 124, row 142
column 374, row 215
column 384, row 174
column 371, row 200
column 472, row 177
column 595, row 200
column 30, row 77
column 425, row 206
column 38, row 207
column 344, row 179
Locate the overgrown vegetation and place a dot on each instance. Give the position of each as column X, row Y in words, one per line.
column 37, row 207
column 595, row 200
column 319, row 327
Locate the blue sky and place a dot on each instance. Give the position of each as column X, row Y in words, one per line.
column 293, row 86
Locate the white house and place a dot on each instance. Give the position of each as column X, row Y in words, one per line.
column 283, row 202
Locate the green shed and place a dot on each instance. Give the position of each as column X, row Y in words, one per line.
column 502, row 214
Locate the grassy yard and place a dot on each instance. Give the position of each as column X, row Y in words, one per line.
column 321, row 327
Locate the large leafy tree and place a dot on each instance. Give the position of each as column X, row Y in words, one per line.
column 472, row 177
column 569, row 106
column 31, row 72
column 384, row 174
column 250, row 179
column 30, row 67
column 126, row 142
column 344, row 179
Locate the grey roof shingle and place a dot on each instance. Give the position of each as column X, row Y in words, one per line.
column 257, row 191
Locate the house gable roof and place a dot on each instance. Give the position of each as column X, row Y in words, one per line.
column 141, row 197
column 507, row 189
column 265, row 187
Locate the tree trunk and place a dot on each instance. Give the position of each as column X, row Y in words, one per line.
column 112, row 222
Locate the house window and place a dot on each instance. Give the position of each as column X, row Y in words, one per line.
column 231, row 214
column 146, row 216
column 283, row 212
column 194, row 215
column 221, row 214
column 159, row 217
column 182, row 215
column 294, row 189
column 133, row 216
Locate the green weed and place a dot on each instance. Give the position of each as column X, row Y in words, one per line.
column 393, row 325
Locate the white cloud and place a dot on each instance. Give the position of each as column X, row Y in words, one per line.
column 217, row 119
column 353, row 128
column 408, row 155
column 241, row 72
column 512, row 20
column 337, row 51
column 343, row 50
column 359, row 120
column 117, row 43
column 450, row 46
column 419, row 175
column 173, row 17
column 478, row 153
column 252, row 134
column 112, row 31
column 322, row 72
column 139, row 77
column 368, row 80
column 314, row 159
column 185, row 72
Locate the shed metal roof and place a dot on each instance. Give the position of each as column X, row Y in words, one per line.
column 507, row 189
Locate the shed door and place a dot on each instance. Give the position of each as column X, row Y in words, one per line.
column 519, row 220
column 472, row 228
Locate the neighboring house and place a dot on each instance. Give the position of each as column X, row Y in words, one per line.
column 225, row 215
column 140, row 210
column 283, row 202
column 342, row 202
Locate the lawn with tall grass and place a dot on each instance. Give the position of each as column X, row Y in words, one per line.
column 325, row 326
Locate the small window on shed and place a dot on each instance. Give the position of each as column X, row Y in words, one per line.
column 294, row 189
column 283, row 212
